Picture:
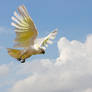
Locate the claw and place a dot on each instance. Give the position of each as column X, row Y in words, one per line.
column 21, row 60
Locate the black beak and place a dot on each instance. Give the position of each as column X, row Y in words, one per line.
column 43, row 52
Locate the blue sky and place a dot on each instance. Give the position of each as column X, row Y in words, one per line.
column 66, row 66
column 73, row 18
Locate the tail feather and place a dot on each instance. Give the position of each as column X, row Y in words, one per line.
column 15, row 53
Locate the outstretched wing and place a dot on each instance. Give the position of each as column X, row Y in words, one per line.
column 43, row 42
column 25, row 29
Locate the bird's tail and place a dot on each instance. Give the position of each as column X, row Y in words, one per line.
column 15, row 53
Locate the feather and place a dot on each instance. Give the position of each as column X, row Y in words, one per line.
column 47, row 40
column 14, row 19
column 17, row 16
column 25, row 29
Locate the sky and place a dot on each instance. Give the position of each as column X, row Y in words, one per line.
column 66, row 66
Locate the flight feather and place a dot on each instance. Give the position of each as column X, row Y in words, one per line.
column 25, row 29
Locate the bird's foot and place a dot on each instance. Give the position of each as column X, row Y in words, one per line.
column 22, row 61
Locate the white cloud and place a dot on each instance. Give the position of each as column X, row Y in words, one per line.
column 88, row 90
column 70, row 50
column 4, row 69
column 71, row 72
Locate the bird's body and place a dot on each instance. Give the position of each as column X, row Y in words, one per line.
column 26, row 37
column 21, row 55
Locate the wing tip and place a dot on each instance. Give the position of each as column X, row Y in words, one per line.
column 15, row 13
column 13, row 24
column 22, row 5
column 55, row 30
column 13, row 18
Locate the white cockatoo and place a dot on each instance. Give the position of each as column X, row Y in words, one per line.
column 26, row 36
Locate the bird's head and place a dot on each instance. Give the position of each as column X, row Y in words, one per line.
column 41, row 50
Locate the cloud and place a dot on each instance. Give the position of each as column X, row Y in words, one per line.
column 4, row 72
column 88, row 90
column 70, row 50
column 4, row 69
column 70, row 72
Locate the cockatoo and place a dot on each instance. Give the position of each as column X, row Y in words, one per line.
column 26, row 36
